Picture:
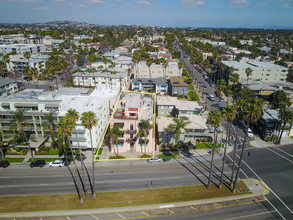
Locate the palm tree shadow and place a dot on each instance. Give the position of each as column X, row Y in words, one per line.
column 75, row 183
column 225, row 182
column 89, row 178
column 192, row 172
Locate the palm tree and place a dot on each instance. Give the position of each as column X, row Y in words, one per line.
column 50, row 118
column 27, row 55
column 105, row 61
column 64, row 129
column 180, row 65
column 249, row 112
column 234, row 79
column 229, row 114
column 180, row 123
column 221, row 85
column 19, row 120
column 149, row 63
column 89, row 120
column 287, row 117
column 145, row 128
column 214, row 119
column 35, row 75
column 113, row 133
column 248, row 72
column 165, row 65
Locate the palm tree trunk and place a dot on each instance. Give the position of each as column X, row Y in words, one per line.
column 280, row 137
column 2, row 154
column 52, row 136
column 212, row 159
column 225, row 151
column 234, row 158
column 93, row 167
column 145, row 142
column 240, row 160
column 28, row 143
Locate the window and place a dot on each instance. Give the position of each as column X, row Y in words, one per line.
column 170, row 107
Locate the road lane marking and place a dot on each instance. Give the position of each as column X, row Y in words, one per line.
column 67, row 217
column 290, row 155
column 169, row 210
column 217, row 204
column 95, row 217
column 280, row 155
column 166, row 206
column 145, row 213
column 267, row 186
column 245, row 216
column 193, row 208
column 120, row 215
column 275, row 208
column 41, row 218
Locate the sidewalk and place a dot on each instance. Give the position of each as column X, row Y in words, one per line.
column 256, row 187
column 259, row 143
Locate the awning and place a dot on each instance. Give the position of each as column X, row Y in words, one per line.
column 5, row 104
column 26, row 104
column 52, row 105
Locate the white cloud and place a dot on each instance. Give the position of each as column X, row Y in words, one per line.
column 192, row 3
column 239, row 3
column 41, row 8
column 97, row 1
column 287, row 5
column 143, row 3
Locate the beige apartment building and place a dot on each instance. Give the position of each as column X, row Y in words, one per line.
column 261, row 71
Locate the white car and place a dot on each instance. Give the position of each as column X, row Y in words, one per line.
column 56, row 163
column 249, row 133
column 155, row 159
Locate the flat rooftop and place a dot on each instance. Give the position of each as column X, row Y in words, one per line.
column 180, row 104
column 252, row 64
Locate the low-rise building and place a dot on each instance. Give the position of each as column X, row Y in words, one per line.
column 261, row 71
column 36, row 103
column 177, row 86
column 18, row 62
column 131, row 109
column 7, row 86
column 141, row 70
column 101, row 80
column 158, row 85
column 21, row 48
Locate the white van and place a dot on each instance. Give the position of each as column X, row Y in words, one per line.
column 212, row 98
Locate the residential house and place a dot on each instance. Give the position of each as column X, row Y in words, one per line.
column 7, row 86
column 177, row 86
column 158, row 85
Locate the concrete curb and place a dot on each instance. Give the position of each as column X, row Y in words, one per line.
column 127, row 208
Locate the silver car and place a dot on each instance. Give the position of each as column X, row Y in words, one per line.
column 154, row 160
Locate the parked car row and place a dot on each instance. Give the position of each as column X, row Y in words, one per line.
column 36, row 163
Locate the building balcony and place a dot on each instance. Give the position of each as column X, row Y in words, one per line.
column 124, row 117
column 131, row 140
column 131, row 131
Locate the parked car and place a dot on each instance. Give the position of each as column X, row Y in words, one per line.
column 154, row 160
column 212, row 98
column 249, row 133
column 222, row 99
column 57, row 163
column 185, row 153
column 217, row 92
column 215, row 105
column 4, row 163
column 38, row 163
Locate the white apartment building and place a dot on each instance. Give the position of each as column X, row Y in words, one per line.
column 21, row 48
column 101, row 80
column 7, row 86
column 36, row 103
column 261, row 71
column 141, row 70
column 18, row 62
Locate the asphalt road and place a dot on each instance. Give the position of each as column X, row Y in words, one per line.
column 25, row 180
column 273, row 165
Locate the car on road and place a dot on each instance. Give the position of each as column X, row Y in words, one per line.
column 155, row 160
column 4, row 163
column 249, row 133
column 217, row 92
column 212, row 98
column 185, row 153
column 56, row 163
column 215, row 105
column 38, row 163
column 222, row 99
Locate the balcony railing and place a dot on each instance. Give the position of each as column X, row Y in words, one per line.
column 131, row 131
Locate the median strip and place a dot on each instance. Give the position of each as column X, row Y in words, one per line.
column 115, row 199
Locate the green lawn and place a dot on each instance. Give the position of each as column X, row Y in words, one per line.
column 14, row 160
column 115, row 199
column 167, row 155
column 206, row 146
column 193, row 96
column 46, row 159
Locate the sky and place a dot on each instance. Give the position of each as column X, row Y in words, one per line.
column 168, row 13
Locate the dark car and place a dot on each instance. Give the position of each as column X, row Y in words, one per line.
column 4, row 163
column 215, row 105
column 38, row 163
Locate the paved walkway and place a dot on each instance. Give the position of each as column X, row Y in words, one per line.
column 256, row 187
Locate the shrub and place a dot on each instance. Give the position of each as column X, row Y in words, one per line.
column 53, row 151
column 116, row 157
column 145, row 156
